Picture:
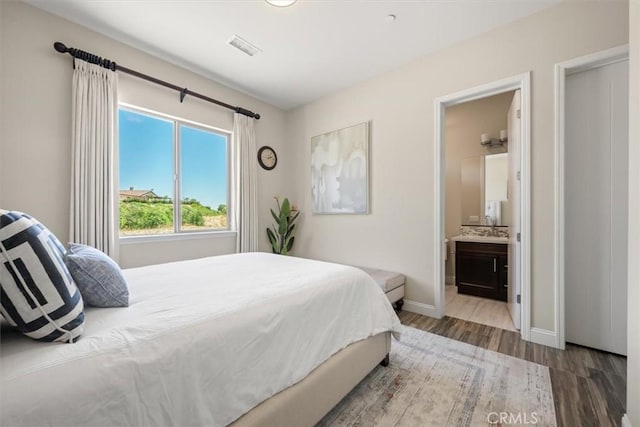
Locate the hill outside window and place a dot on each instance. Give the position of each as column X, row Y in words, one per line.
column 173, row 174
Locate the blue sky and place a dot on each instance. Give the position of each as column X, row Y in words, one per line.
column 147, row 160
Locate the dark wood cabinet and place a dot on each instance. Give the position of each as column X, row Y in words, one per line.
column 482, row 270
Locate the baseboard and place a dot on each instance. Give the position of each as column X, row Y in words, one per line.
column 450, row 280
column 420, row 308
column 543, row 336
column 625, row 421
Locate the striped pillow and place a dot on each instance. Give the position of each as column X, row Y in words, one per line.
column 37, row 294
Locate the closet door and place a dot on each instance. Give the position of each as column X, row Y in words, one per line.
column 596, row 182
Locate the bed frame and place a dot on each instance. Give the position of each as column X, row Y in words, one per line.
column 305, row 403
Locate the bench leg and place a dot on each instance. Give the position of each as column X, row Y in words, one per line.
column 399, row 304
column 385, row 361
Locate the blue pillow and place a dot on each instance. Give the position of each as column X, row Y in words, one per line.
column 99, row 278
column 37, row 293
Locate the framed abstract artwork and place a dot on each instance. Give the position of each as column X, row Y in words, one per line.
column 340, row 171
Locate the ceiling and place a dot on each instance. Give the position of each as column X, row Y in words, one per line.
column 308, row 50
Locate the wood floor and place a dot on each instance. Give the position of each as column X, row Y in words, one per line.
column 589, row 386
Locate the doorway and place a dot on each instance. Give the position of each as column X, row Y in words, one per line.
column 592, row 173
column 481, row 141
column 520, row 240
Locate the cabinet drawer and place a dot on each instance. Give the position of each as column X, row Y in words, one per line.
column 484, row 248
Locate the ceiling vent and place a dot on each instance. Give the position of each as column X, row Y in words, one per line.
column 243, row 45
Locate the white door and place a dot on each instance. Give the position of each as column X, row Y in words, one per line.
column 513, row 133
column 596, row 182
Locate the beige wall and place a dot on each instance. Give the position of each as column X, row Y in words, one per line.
column 633, row 295
column 36, row 134
column 464, row 124
column 399, row 233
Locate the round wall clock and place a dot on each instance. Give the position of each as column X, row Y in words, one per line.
column 267, row 157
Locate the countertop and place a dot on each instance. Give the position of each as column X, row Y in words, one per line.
column 481, row 239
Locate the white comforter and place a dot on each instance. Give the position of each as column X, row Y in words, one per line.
column 201, row 343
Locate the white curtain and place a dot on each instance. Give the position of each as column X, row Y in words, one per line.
column 244, row 197
column 94, row 194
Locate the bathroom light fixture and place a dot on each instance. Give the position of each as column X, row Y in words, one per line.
column 281, row 3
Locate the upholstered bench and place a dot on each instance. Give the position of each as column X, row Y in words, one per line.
column 391, row 283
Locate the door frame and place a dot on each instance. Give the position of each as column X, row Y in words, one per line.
column 523, row 83
column 562, row 70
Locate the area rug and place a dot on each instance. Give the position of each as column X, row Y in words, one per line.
column 437, row 381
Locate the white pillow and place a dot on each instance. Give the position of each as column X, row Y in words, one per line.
column 38, row 295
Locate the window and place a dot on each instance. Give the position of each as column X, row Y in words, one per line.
column 153, row 150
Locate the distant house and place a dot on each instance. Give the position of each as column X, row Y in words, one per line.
column 142, row 195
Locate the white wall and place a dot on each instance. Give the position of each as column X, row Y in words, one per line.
column 399, row 233
column 633, row 325
column 464, row 123
column 36, row 133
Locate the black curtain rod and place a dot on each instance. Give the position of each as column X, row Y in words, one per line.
column 111, row 65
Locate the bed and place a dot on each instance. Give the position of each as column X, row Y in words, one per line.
column 244, row 339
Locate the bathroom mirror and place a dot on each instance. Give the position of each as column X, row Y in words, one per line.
column 484, row 183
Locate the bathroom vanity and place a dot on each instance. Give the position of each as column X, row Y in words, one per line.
column 482, row 267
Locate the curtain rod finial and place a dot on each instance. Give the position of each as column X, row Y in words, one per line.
column 247, row 113
column 60, row 47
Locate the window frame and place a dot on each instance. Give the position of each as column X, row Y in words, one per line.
column 178, row 233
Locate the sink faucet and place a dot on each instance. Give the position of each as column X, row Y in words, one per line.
column 491, row 221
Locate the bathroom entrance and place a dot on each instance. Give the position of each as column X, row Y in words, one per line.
column 478, row 208
column 481, row 136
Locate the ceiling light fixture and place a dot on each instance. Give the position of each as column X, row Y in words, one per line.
column 281, row 3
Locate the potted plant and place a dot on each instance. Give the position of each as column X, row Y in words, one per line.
column 281, row 233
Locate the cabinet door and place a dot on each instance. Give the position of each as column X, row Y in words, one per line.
column 478, row 274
